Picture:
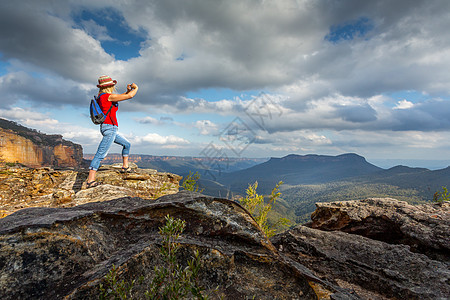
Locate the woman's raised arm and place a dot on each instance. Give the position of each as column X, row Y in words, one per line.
column 130, row 93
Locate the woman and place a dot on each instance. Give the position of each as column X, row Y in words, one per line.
column 109, row 128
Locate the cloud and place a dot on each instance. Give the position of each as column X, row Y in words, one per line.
column 404, row 104
column 150, row 120
column 40, row 92
column 33, row 34
column 154, row 138
column 431, row 115
column 241, row 46
column 28, row 117
column 326, row 69
column 356, row 113
column 206, row 127
column 97, row 31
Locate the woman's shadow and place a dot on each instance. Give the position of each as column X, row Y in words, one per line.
column 79, row 180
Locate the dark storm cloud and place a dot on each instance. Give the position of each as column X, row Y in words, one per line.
column 31, row 35
column 431, row 115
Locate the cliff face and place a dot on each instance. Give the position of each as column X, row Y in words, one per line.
column 33, row 149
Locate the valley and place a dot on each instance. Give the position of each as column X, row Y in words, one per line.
column 308, row 179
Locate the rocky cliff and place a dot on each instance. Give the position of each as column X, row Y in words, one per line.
column 57, row 253
column 65, row 251
column 34, row 149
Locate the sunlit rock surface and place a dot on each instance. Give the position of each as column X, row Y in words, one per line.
column 19, row 144
column 22, row 187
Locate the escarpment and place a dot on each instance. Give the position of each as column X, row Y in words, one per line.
column 22, row 145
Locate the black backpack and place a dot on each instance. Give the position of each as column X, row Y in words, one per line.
column 97, row 115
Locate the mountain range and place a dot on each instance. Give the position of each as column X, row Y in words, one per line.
column 300, row 169
column 233, row 176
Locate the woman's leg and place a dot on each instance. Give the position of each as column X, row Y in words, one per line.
column 109, row 135
column 125, row 162
column 91, row 176
column 121, row 140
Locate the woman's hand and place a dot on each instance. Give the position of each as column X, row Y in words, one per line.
column 131, row 86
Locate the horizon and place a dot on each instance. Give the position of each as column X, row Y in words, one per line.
column 245, row 79
column 431, row 164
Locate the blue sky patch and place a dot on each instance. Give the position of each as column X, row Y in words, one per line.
column 411, row 96
column 3, row 66
column 349, row 30
column 111, row 29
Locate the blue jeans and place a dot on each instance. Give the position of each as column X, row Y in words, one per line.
column 110, row 135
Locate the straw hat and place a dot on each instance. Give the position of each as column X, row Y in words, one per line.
column 105, row 81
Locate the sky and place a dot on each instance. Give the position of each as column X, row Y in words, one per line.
column 236, row 78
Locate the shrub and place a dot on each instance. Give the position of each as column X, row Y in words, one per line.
column 115, row 289
column 441, row 196
column 190, row 182
column 257, row 207
column 171, row 281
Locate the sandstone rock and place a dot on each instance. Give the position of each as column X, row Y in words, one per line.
column 34, row 149
column 423, row 227
column 145, row 183
column 54, row 253
column 374, row 269
column 22, row 187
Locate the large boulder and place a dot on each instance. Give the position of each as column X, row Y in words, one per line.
column 374, row 269
column 380, row 247
column 425, row 228
column 55, row 253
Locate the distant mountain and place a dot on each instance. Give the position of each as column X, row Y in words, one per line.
column 422, row 180
column 299, row 169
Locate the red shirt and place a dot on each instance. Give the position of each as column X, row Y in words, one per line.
column 105, row 105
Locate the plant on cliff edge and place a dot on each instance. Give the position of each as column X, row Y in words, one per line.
column 190, row 182
column 256, row 206
column 442, row 196
column 170, row 281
